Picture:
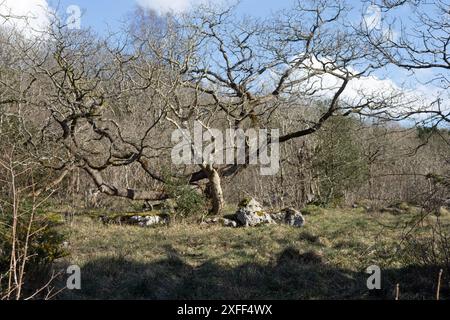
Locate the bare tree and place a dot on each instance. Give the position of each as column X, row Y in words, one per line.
column 242, row 72
column 20, row 227
column 81, row 90
column 415, row 42
column 97, row 104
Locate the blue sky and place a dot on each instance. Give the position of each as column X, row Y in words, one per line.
column 99, row 13
column 103, row 14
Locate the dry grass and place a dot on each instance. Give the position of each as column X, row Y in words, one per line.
column 324, row 260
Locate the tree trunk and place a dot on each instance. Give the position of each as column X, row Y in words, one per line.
column 215, row 190
column 123, row 192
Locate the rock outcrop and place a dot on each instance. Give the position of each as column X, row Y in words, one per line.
column 223, row 221
column 290, row 217
column 138, row 219
column 251, row 213
column 148, row 221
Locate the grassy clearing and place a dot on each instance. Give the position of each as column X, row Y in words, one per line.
column 324, row 260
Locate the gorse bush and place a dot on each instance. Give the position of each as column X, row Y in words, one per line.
column 186, row 200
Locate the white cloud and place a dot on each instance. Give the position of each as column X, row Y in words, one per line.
column 325, row 84
column 383, row 93
column 27, row 16
column 398, row 100
column 164, row 6
column 372, row 17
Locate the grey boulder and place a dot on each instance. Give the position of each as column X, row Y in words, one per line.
column 290, row 217
column 250, row 214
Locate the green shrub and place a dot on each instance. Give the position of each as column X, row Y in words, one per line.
column 339, row 160
column 45, row 244
column 244, row 202
column 186, row 200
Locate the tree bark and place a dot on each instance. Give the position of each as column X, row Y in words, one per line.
column 52, row 184
column 124, row 192
column 215, row 189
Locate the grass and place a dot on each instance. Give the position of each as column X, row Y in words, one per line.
column 326, row 259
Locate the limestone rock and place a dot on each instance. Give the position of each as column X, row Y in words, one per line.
column 250, row 214
column 139, row 220
column 290, row 217
column 229, row 223
column 223, row 221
